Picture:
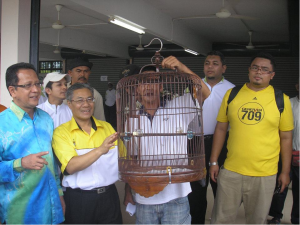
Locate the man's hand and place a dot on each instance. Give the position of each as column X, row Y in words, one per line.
column 173, row 63
column 63, row 204
column 34, row 161
column 108, row 143
column 214, row 171
column 128, row 199
column 283, row 181
column 128, row 195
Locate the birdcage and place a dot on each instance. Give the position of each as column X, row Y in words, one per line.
column 159, row 120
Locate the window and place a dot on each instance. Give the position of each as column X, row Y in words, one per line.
column 51, row 66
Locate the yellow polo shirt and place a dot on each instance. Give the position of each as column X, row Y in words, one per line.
column 69, row 136
column 254, row 141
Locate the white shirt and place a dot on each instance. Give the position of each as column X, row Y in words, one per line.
column 110, row 97
column 212, row 105
column 296, row 134
column 60, row 114
column 93, row 177
column 176, row 114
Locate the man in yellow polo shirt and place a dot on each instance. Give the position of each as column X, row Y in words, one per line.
column 258, row 134
column 87, row 151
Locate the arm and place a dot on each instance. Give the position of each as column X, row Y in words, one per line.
column 218, row 142
column 173, row 63
column 78, row 163
column 12, row 168
column 286, row 138
column 128, row 195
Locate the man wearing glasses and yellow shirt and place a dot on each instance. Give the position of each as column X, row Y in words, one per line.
column 259, row 132
column 88, row 155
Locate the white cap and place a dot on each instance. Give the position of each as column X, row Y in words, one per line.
column 54, row 77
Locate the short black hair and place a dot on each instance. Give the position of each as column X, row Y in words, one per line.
column 49, row 85
column 220, row 54
column 265, row 55
column 75, row 87
column 11, row 75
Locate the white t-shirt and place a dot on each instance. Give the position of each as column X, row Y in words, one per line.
column 93, row 177
column 296, row 134
column 212, row 105
column 176, row 114
column 110, row 97
column 60, row 114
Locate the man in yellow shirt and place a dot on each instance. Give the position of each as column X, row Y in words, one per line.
column 258, row 133
column 88, row 155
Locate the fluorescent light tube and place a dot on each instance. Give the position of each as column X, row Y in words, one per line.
column 126, row 24
column 191, row 51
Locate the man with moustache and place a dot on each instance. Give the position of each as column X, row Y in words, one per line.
column 88, row 155
column 55, row 86
column 170, row 206
column 258, row 133
column 30, row 192
column 79, row 71
column 214, row 67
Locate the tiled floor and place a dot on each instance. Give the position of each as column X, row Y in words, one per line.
column 127, row 219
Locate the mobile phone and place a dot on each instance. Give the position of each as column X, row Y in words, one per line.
column 277, row 190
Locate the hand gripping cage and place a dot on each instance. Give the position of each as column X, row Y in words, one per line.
column 160, row 124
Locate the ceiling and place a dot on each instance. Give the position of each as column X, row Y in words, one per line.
column 271, row 25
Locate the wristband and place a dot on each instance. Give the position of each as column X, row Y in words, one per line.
column 213, row 163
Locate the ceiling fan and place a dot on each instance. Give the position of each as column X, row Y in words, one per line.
column 250, row 44
column 57, row 51
column 58, row 25
column 140, row 47
column 222, row 14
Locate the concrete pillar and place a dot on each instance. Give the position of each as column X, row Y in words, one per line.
column 15, row 38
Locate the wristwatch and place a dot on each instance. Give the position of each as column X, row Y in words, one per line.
column 213, row 163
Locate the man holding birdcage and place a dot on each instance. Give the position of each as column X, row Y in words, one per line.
column 167, row 115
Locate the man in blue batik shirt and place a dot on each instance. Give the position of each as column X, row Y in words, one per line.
column 30, row 192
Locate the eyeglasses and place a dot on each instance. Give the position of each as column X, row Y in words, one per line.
column 264, row 70
column 29, row 86
column 83, row 100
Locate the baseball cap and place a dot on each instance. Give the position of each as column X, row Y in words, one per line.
column 129, row 70
column 80, row 61
column 54, row 77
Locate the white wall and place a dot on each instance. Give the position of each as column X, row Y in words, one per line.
column 15, row 38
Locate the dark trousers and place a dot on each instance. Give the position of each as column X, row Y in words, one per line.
column 295, row 191
column 278, row 199
column 111, row 115
column 197, row 198
column 89, row 207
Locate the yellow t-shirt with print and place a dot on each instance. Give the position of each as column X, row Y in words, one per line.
column 254, row 142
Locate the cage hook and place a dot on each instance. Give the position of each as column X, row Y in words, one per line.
column 161, row 44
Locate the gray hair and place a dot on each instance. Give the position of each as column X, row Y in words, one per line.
column 78, row 86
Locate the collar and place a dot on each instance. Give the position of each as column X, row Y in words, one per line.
column 75, row 126
column 18, row 111
column 221, row 81
column 142, row 111
column 54, row 107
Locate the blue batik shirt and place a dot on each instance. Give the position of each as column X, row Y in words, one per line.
column 27, row 196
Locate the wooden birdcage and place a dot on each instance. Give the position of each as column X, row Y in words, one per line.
column 159, row 120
